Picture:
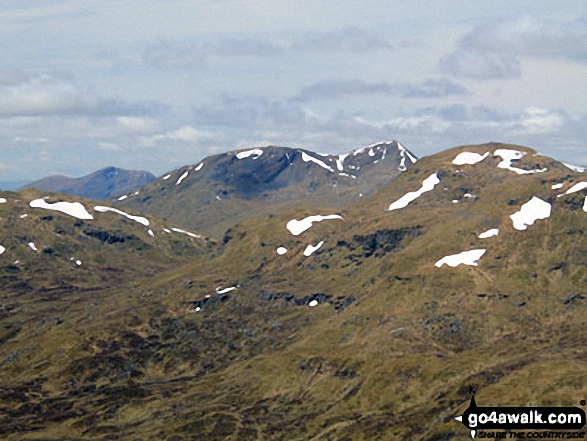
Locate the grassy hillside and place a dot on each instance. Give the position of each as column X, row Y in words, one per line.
column 390, row 351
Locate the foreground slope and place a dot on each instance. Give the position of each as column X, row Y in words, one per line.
column 362, row 335
column 233, row 187
column 100, row 185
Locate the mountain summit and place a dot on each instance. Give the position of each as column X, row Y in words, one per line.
column 101, row 184
column 232, row 187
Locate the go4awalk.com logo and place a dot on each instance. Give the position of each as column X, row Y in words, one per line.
column 547, row 422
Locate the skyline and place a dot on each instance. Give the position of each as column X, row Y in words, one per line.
column 156, row 85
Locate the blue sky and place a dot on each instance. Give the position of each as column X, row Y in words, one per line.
column 155, row 84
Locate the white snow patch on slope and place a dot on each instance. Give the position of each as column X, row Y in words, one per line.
column 182, row 177
column 2, row 201
column 427, row 185
column 139, row 219
column 2, row 249
column 179, row 230
column 377, row 144
column 166, row 177
column 339, row 161
column 403, row 153
column 489, row 233
column 199, row 167
column 296, row 227
column 281, row 251
column 78, row 262
column 74, row 209
column 220, row 290
column 585, row 205
column 151, row 233
column 530, row 212
column 508, row 156
column 576, row 168
column 557, row 186
column 465, row 258
column 32, row 245
column 243, row 155
column 469, row 158
column 22, row 216
column 313, row 303
column 577, row 187
column 308, row 158
column 122, row 198
column 310, row 249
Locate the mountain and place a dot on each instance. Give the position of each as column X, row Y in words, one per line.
column 100, row 185
column 376, row 321
column 233, row 187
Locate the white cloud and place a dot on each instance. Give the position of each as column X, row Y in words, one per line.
column 136, row 124
column 44, row 95
column 183, row 134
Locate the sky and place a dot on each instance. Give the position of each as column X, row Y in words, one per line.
column 156, row 84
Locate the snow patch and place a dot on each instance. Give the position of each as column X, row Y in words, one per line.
column 339, row 161
column 403, row 153
column 179, row 230
column 469, row 158
column 508, row 156
column 489, row 233
column 151, row 233
column 313, row 303
column 465, row 258
column 74, row 209
column 2, row 201
column 2, row 249
column 281, row 251
column 221, row 290
column 182, row 177
column 576, row 168
column 139, row 219
column 310, row 249
column 199, row 167
column 577, row 187
column 78, row 262
column 297, row 227
column 22, row 216
column 557, row 186
column 530, row 212
column 427, row 185
column 308, row 158
column 122, row 198
column 166, row 177
column 32, row 245
column 243, row 155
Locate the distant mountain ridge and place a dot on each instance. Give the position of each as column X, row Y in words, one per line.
column 231, row 187
column 100, row 185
